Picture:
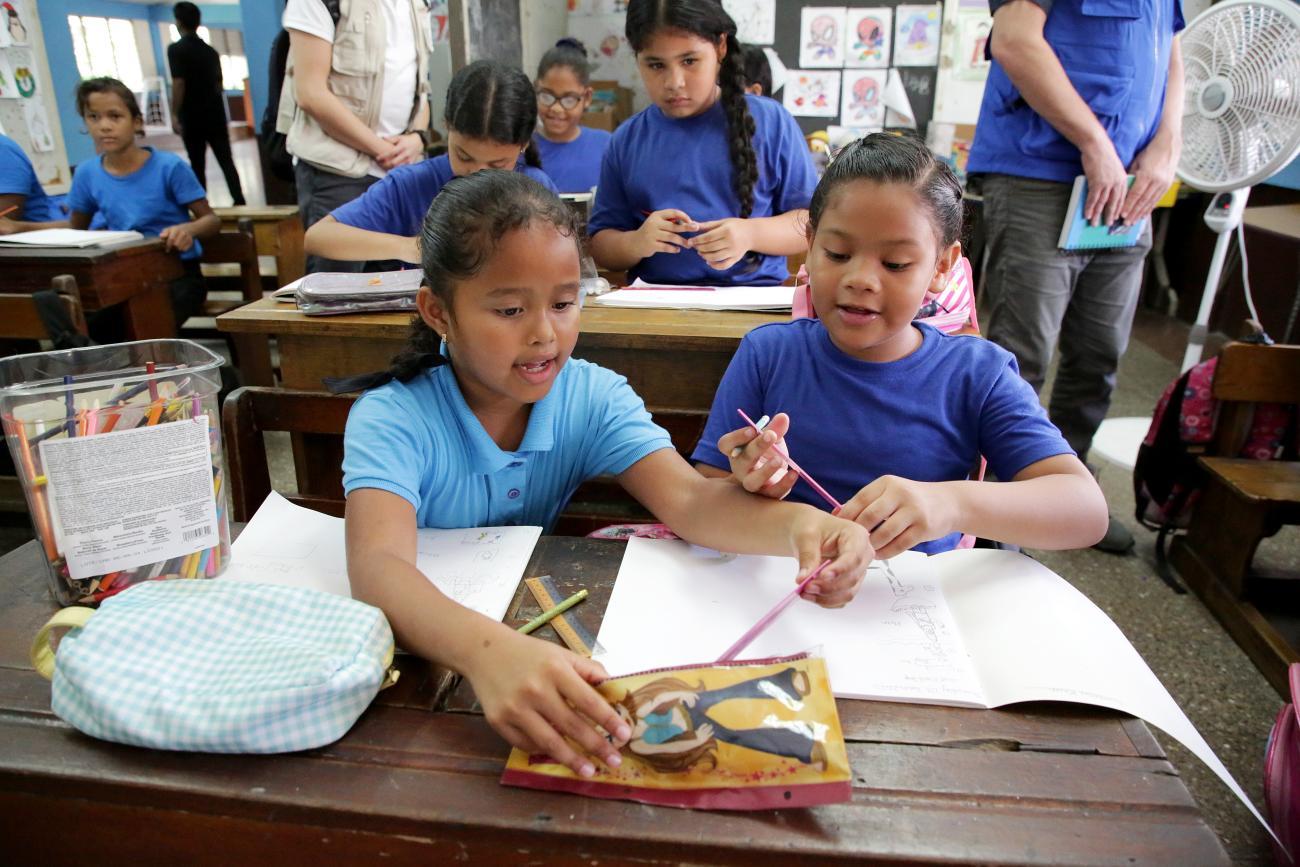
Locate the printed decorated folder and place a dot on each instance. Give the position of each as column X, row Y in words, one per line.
column 752, row 735
column 1078, row 234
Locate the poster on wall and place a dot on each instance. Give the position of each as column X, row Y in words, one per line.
column 755, row 20
column 863, row 102
column 438, row 21
column 38, row 125
column 607, row 49
column 23, row 64
column 821, row 37
column 916, row 36
column 15, row 21
column 597, row 7
column 867, row 36
column 8, row 90
column 812, row 93
column 972, row 36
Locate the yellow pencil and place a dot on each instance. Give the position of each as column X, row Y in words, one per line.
column 547, row 617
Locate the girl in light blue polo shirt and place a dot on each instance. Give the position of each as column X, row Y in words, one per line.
column 490, row 115
column 486, row 420
column 708, row 185
column 571, row 153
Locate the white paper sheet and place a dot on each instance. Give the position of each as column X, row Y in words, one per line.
column 821, row 37
column 69, row 238
column 899, row 106
column 755, row 20
column 863, row 102
column 867, row 37
column 286, row 544
column 975, row 628
column 812, row 93
column 752, row 298
column 916, row 35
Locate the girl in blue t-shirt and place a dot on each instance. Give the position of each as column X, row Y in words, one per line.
column 708, row 185
column 490, row 115
column 571, row 153
column 887, row 415
column 132, row 187
column 485, row 419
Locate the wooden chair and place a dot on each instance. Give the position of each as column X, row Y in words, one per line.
column 19, row 321
column 239, row 249
column 250, row 412
column 1244, row 502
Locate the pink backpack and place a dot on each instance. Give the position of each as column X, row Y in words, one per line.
column 1282, row 773
column 949, row 310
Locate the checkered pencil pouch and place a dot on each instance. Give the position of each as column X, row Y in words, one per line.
column 211, row 666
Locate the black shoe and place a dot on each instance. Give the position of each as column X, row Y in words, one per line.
column 1118, row 540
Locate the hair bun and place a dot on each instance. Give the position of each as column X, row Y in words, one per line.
column 571, row 42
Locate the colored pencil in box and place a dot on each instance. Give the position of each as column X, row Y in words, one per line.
column 70, row 413
column 151, row 383
column 40, row 511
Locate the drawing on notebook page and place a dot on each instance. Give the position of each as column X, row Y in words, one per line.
column 919, row 610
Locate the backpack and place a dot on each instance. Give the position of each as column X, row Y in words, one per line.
column 274, row 143
column 1282, row 772
column 1167, row 480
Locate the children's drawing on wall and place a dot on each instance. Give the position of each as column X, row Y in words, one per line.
column 863, row 104
column 438, row 21
column 8, row 89
column 812, row 93
column 607, row 49
column 23, row 64
column 821, row 36
column 755, row 20
column 597, row 7
column 916, row 36
column 38, row 126
column 867, row 36
column 972, row 39
column 15, row 16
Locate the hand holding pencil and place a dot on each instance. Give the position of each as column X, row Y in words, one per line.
column 757, row 457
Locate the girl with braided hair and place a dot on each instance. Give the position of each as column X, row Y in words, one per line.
column 708, row 185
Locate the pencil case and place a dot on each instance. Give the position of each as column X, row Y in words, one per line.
column 218, row 667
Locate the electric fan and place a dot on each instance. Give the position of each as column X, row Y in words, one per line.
column 1241, row 119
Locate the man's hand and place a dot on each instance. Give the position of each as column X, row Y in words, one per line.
column 1107, row 182
column 1153, row 171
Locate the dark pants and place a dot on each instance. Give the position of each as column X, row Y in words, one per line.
column 198, row 135
column 794, row 743
column 188, row 292
column 1038, row 296
column 319, row 193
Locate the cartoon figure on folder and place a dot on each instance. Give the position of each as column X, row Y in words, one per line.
column 673, row 732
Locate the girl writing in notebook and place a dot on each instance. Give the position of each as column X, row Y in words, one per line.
column 888, row 415
column 134, row 187
column 709, row 184
column 486, row 420
column 571, row 153
column 490, row 115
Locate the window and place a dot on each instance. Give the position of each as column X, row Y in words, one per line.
column 106, row 46
column 230, row 45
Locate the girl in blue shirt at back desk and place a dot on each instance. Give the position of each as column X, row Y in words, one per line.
column 571, row 153
column 490, row 116
column 887, row 415
column 709, row 185
column 22, row 197
column 138, row 188
column 486, row 420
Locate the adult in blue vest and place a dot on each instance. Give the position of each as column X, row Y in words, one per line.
column 1091, row 87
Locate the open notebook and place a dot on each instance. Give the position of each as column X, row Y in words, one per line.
column 68, row 238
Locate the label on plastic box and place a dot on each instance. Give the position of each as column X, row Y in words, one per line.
column 130, row 498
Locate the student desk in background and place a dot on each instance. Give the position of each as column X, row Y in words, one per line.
column 416, row 780
column 277, row 231
column 136, row 273
column 674, row 359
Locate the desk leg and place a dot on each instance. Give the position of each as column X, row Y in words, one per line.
column 253, row 356
column 290, row 260
column 149, row 314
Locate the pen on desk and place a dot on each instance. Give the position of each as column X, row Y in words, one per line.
column 543, row 619
column 835, row 504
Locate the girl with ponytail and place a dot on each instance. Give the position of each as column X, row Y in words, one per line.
column 708, row 185
column 490, row 115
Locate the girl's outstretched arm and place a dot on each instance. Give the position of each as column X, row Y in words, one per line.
column 1052, row 504
column 533, row 693
column 332, row 239
column 718, row 514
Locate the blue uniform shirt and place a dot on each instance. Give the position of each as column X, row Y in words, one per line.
column 574, row 165
column 147, row 201
column 397, row 203
column 1116, row 55
column 420, row 440
column 657, row 162
column 927, row 417
column 18, row 176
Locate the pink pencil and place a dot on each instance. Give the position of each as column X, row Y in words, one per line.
column 766, row 620
column 835, row 504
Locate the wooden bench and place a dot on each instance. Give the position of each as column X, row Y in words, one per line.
column 320, row 419
column 278, row 232
column 1243, row 503
column 238, row 250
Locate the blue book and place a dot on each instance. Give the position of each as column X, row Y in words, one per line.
column 1078, row 234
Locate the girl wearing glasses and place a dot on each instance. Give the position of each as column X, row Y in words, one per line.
column 570, row 152
column 708, row 185
column 490, row 116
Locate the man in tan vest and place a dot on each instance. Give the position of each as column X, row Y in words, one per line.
column 355, row 99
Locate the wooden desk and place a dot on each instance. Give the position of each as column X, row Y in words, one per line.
column 136, row 273
column 673, row 358
column 278, row 231
column 1280, row 220
column 416, row 784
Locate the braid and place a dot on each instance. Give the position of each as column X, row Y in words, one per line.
column 740, row 125
column 419, row 354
